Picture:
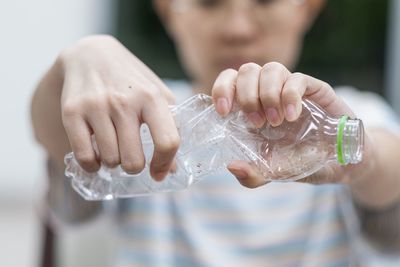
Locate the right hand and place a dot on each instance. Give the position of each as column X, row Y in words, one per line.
column 108, row 92
column 272, row 93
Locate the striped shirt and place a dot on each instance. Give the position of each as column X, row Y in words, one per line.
column 218, row 222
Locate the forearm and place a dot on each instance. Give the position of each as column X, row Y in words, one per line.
column 46, row 115
column 377, row 194
column 376, row 183
column 50, row 133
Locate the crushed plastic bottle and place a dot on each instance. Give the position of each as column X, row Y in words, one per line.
column 209, row 143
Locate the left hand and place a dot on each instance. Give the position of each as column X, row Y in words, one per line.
column 272, row 93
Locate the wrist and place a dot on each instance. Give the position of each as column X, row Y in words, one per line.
column 375, row 182
column 87, row 49
column 362, row 177
column 368, row 167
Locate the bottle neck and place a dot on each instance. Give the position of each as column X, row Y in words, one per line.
column 349, row 141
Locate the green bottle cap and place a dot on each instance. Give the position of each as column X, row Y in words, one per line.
column 339, row 140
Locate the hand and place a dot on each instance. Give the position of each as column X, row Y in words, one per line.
column 108, row 92
column 272, row 93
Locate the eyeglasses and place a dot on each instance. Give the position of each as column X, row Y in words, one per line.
column 262, row 10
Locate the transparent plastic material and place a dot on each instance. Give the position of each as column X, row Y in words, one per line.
column 209, row 143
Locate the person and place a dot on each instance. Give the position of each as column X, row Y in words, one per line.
column 237, row 51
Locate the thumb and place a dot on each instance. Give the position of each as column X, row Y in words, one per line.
column 247, row 174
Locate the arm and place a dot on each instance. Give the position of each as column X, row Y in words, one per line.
column 377, row 194
column 50, row 133
column 97, row 87
column 46, row 114
column 272, row 93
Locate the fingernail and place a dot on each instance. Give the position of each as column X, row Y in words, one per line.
column 273, row 116
column 290, row 112
column 222, row 106
column 256, row 119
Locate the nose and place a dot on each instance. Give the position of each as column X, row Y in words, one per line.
column 238, row 26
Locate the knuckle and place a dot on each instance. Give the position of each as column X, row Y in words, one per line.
column 150, row 95
column 269, row 98
column 298, row 74
column 222, row 85
column 170, row 144
column 118, row 101
column 248, row 103
column 71, row 108
column 299, row 77
column 291, row 99
column 249, row 67
column 229, row 71
column 290, row 94
column 86, row 160
column 219, row 89
column 92, row 103
column 111, row 160
column 326, row 86
column 274, row 66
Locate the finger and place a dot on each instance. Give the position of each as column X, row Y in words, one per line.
column 247, row 87
column 165, row 136
column 129, row 142
column 292, row 93
column 79, row 136
column 247, row 174
column 106, row 138
column 272, row 78
column 323, row 94
column 247, row 93
column 223, row 91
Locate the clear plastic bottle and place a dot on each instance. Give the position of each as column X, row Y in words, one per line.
column 294, row 150
column 209, row 143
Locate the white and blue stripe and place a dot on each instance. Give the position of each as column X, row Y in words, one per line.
column 217, row 222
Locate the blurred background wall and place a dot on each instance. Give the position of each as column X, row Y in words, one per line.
column 393, row 56
column 31, row 35
column 350, row 44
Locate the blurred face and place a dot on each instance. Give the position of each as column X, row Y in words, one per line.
column 212, row 35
